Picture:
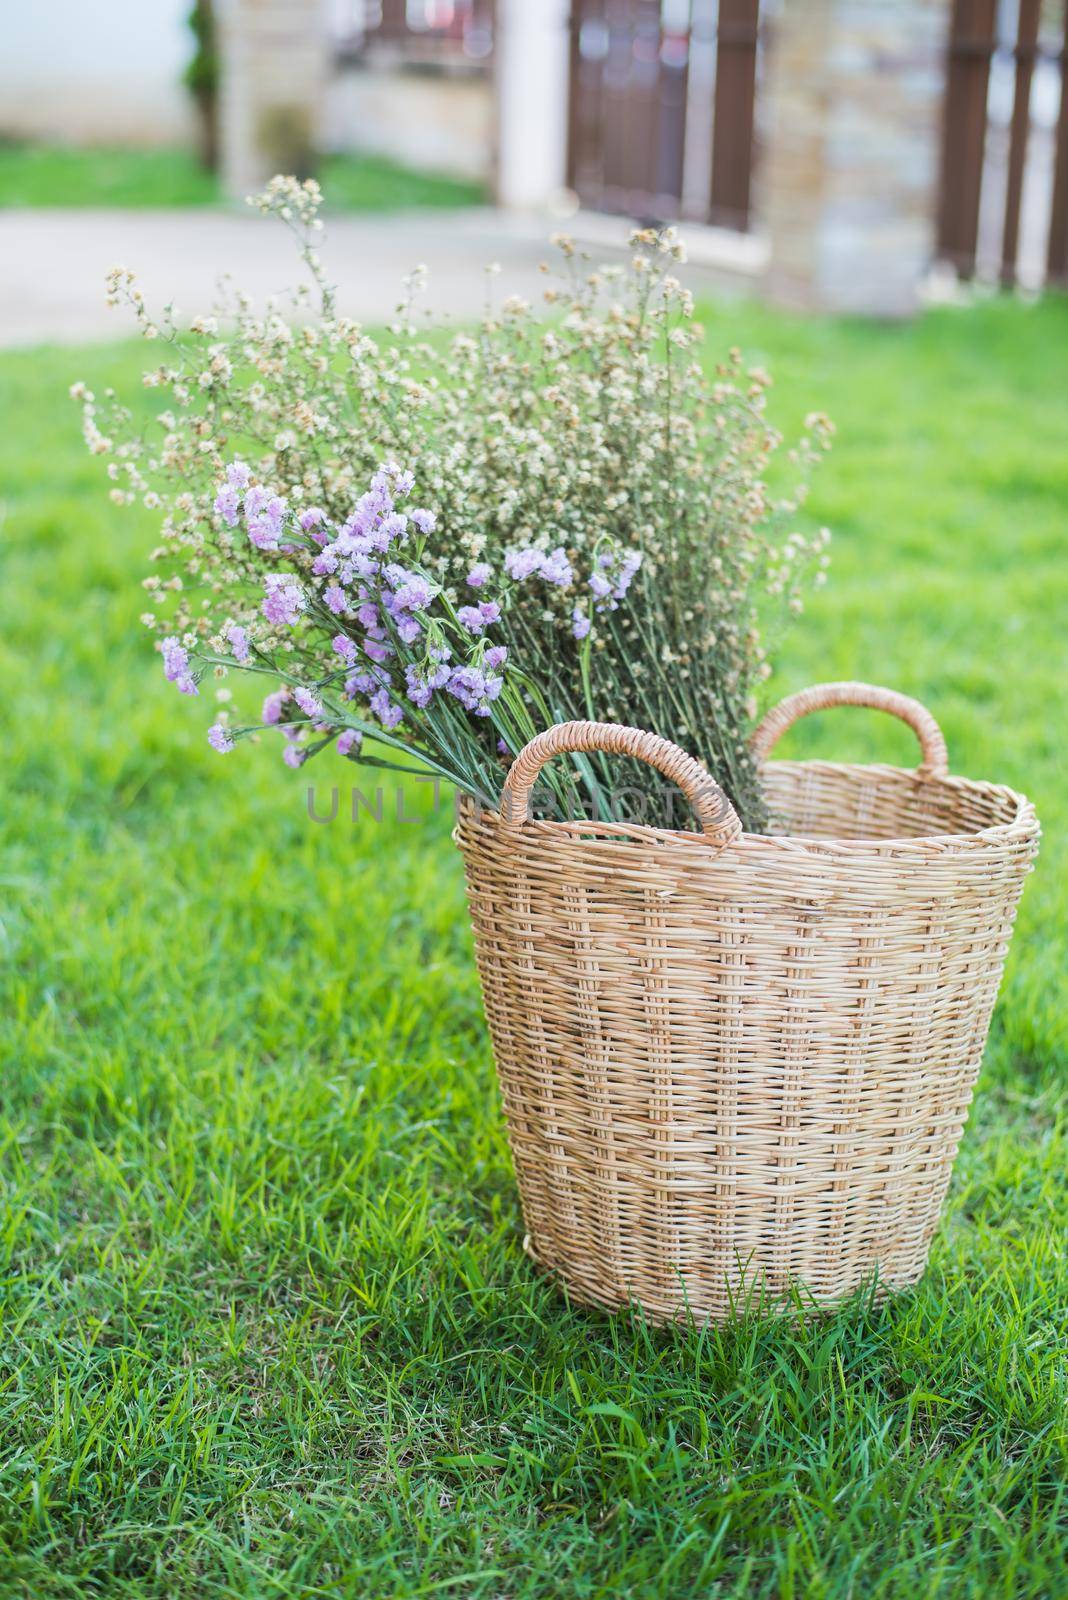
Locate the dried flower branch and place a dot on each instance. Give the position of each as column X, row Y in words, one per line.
column 595, row 537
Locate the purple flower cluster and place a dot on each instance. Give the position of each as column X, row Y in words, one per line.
column 423, row 680
column 612, row 577
column 475, row 688
column 176, row 667
column 283, row 601
column 392, row 604
column 238, row 641
column 219, row 739
column 228, row 500
column 393, row 643
column 551, row 566
column 580, row 623
column 388, row 599
column 389, row 714
column 264, row 516
column 264, row 512
column 309, row 703
column 477, row 618
column 273, row 707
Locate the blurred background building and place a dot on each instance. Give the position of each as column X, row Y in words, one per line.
column 835, row 150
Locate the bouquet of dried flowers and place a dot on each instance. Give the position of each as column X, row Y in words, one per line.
column 435, row 545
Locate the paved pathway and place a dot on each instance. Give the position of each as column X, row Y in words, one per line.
column 52, row 263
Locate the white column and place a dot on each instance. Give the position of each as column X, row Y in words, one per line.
column 274, row 58
column 531, row 56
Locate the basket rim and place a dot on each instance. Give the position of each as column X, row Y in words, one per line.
column 1023, row 825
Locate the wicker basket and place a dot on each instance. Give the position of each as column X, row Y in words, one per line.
column 732, row 1060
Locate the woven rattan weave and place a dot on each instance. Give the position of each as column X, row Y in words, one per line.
column 734, row 1061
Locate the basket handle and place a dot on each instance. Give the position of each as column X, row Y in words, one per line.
column 935, row 762
column 713, row 810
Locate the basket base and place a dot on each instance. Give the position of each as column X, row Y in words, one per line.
column 746, row 1296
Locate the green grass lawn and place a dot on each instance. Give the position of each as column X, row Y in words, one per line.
column 59, row 175
column 267, row 1325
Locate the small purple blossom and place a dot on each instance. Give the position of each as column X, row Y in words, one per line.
column 377, row 649
column 310, row 518
column 610, row 582
column 465, row 684
column 238, row 640
column 420, row 691
column 335, row 598
column 367, row 615
column 265, row 523
column 393, row 527
column 477, row 618
column 479, row 573
column 474, row 689
column 293, row 755
column 219, row 739
column 629, row 566
column 227, row 506
column 424, row 520
column 272, row 707
column 388, row 714
column 237, row 475
column 580, row 623
column 176, row 667
column 366, row 682
column 284, row 600
column 553, row 566
column 471, row 618
column 375, row 503
column 411, row 591
column 349, row 739
column 308, row 702
column 175, row 659
column 497, row 656
column 556, row 569
column 520, row 564
column 345, row 648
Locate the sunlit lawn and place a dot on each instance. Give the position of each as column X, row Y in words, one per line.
column 267, row 1326
column 62, row 175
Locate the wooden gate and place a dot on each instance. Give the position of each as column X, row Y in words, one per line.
column 1003, row 209
column 661, row 107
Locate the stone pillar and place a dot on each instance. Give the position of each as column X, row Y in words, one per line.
column 852, row 125
column 531, row 66
column 274, row 58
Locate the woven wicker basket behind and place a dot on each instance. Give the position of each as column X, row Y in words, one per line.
column 733, row 1062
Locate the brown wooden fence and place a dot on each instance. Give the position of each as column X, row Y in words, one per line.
column 1003, row 209
column 661, row 107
